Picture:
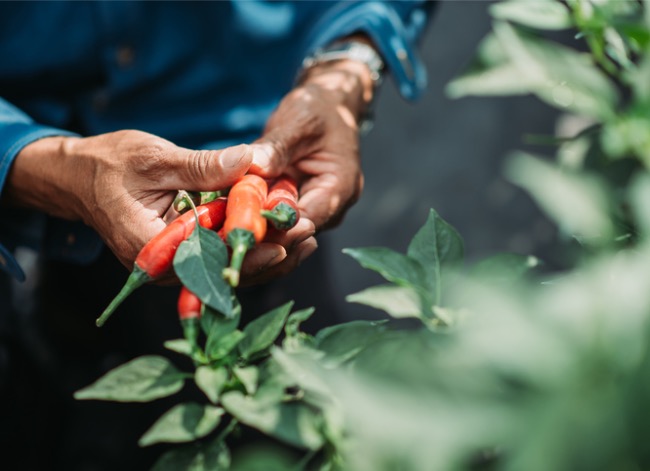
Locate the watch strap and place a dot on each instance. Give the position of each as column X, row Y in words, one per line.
column 347, row 50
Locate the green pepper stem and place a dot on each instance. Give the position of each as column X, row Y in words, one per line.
column 191, row 333
column 240, row 241
column 209, row 196
column 185, row 200
column 137, row 278
column 282, row 216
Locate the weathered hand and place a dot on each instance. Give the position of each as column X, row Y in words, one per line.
column 313, row 136
column 121, row 184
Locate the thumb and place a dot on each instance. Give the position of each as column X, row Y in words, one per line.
column 207, row 170
column 273, row 152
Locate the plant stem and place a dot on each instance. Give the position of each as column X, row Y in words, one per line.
column 228, row 430
column 137, row 278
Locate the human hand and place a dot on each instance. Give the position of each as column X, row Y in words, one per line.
column 313, row 136
column 121, row 184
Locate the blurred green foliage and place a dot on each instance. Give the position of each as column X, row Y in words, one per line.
column 495, row 366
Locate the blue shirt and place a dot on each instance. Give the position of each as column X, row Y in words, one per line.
column 202, row 75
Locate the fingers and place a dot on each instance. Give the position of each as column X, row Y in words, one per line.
column 279, row 254
column 293, row 130
column 326, row 198
column 271, row 155
column 255, row 275
column 206, row 170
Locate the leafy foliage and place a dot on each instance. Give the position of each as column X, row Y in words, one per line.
column 141, row 380
column 503, row 366
column 197, row 262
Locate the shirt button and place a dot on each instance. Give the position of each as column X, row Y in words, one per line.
column 125, row 56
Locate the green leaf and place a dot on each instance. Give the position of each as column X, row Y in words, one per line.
column 216, row 324
column 491, row 73
column 300, row 368
column 199, row 262
column 435, row 245
column 211, row 381
column 559, row 75
column 141, row 380
column 260, row 333
column 501, row 80
column 393, row 266
column 220, row 331
column 504, row 269
column 398, row 301
column 617, row 49
column 639, row 191
column 181, row 346
column 195, row 457
column 263, row 458
column 572, row 154
column 437, row 242
column 294, row 339
column 541, row 14
column 218, row 347
column 183, row 423
column 639, row 84
column 628, row 136
column 342, row 342
column 272, row 384
column 577, row 202
column 249, row 377
column 292, row 422
column 292, row 326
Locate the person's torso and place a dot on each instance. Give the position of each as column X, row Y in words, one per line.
column 192, row 72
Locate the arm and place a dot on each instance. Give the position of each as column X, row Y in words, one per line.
column 314, row 132
column 17, row 130
column 121, row 184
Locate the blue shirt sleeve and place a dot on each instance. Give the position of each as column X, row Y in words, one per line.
column 201, row 75
column 16, row 131
column 394, row 27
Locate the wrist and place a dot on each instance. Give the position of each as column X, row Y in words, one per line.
column 350, row 66
column 43, row 176
column 346, row 83
column 349, row 80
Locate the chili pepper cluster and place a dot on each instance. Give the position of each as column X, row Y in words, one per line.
column 241, row 220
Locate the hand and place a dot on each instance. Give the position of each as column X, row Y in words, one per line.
column 121, row 183
column 313, row 136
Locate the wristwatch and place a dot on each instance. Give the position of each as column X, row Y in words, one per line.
column 350, row 50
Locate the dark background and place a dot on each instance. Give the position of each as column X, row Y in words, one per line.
column 443, row 154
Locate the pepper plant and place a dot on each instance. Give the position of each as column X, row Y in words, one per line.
column 495, row 365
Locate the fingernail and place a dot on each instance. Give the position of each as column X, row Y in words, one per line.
column 262, row 155
column 233, row 156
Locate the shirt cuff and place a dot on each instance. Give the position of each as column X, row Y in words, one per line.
column 393, row 37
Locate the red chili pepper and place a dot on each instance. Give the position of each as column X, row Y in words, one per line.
column 281, row 206
column 156, row 258
column 244, row 226
column 189, row 305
